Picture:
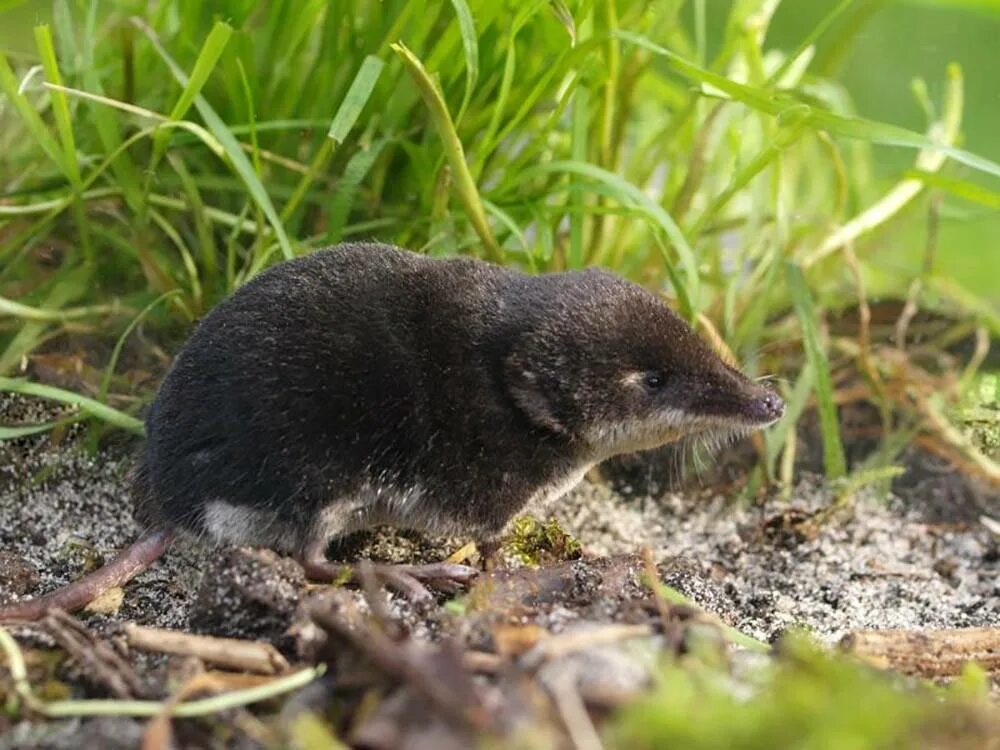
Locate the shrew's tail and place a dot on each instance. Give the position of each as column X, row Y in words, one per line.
column 126, row 565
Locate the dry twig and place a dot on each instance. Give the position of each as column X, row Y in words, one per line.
column 100, row 661
column 928, row 653
column 581, row 639
column 118, row 707
column 409, row 662
column 233, row 653
column 574, row 714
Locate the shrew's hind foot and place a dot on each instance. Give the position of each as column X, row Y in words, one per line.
column 410, row 580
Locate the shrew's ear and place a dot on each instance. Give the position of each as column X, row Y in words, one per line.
column 525, row 387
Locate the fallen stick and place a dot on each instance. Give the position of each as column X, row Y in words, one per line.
column 563, row 644
column 568, row 703
column 143, row 708
column 101, row 663
column 482, row 662
column 927, row 653
column 233, row 653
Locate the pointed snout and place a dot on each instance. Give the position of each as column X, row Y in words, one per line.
column 766, row 408
column 729, row 396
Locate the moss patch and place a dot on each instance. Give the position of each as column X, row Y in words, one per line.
column 534, row 542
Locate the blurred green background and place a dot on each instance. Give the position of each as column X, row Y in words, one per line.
column 901, row 41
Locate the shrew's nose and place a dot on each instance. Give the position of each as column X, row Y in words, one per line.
column 768, row 407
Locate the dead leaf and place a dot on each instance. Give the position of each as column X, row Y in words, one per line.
column 108, row 603
column 462, row 554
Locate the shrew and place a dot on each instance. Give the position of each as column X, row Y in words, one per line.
column 364, row 385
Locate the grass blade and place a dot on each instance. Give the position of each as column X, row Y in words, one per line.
column 787, row 135
column 253, row 127
column 581, row 102
column 347, row 188
column 187, row 258
column 906, row 190
column 627, row 193
column 199, row 215
column 31, row 118
column 239, row 161
column 26, row 312
column 62, row 21
column 470, row 48
column 60, row 105
column 780, row 105
column 488, row 139
column 833, row 450
column 64, row 126
column 102, row 394
column 966, row 189
column 107, row 128
column 90, row 406
column 355, row 99
column 468, row 193
column 208, row 57
column 19, row 431
column 499, row 104
column 817, row 31
column 316, row 167
column 565, row 17
column 508, row 221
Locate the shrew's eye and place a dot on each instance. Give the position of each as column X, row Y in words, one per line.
column 654, row 380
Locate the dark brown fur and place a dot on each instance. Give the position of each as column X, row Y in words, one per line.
column 364, row 384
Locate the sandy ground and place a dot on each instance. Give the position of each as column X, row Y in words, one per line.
column 896, row 562
column 883, row 567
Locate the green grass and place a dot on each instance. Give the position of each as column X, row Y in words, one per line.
column 181, row 148
column 805, row 699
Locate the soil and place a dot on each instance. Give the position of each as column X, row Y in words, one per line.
column 918, row 557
